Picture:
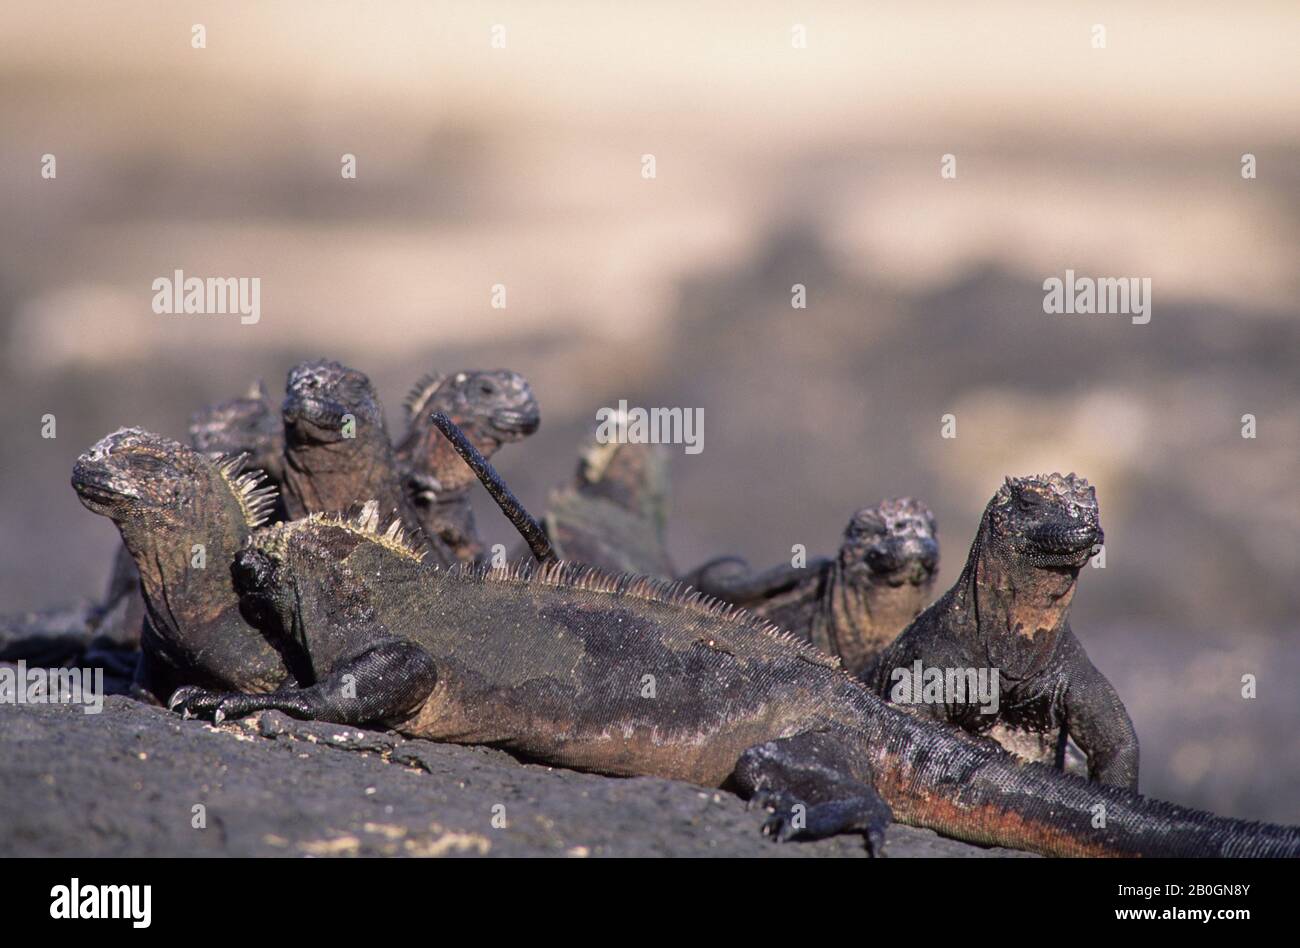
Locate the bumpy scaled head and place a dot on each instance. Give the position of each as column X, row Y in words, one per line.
column 248, row 425
column 319, row 397
column 133, row 476
column 498, row 405
column 891, row 544
column 1050, row 520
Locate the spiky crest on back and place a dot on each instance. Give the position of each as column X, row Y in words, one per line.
column 421, row 392
column 252, row 491
column 363, row 523
column 558, row 574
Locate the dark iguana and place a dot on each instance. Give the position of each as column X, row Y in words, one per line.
column 491, row 409
column 248, row 426
column 182, row 517
column 852, row 605
column 337, row 453
column 1009, row 612
column 614, row 513
column 625, row 675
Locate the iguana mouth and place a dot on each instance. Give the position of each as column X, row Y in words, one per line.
column 904, row 560
column 316, row 419
column 1056, row 546
column 96, row 485
column 511, row 421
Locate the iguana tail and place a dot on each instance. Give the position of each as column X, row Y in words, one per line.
column 936, row 777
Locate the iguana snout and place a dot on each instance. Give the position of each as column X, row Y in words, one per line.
column 895, row 541
column 515, row 423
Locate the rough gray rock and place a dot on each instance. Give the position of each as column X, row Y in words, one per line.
column 126, row 782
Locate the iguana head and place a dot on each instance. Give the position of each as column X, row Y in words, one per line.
column 891, row 544
column 318, row 398
column 135, row 477
column 1049, row 521
column 248, row 425
column 491, row 409
column 498, row 404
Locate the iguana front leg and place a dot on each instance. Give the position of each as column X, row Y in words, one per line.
column 1096, row 719
column 817, row 784
column 380, row 685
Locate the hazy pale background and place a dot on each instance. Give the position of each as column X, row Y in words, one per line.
column 775, row 166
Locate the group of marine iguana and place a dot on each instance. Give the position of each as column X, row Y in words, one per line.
column 345, row 581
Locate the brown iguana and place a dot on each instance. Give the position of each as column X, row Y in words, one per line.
column 248, row 426
column 491, row 409
column 337, row 453
column 614, row 512
column 853, row 605
column 1008, row 613
column 182, row 517
column 573, row 667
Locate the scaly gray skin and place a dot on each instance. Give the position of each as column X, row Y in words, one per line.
column 491, row 409
column 248, row 426
column 853, row 605
column 611, row 678
column 1009, row 610
column 613, row 515
column 325, row 471
column 168, row 500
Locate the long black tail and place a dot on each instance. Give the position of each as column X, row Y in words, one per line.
column 510, row 505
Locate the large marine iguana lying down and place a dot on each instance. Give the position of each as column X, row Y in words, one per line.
column 852, row 605
column 572, row 667
column 1009, row 610
column 491, row 409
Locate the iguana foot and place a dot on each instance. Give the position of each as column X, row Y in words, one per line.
column 869, row 816
column 816, row 784
column 192, row 702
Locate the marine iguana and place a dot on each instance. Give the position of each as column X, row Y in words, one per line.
column 491, row 409
column 569, row 666
column 337, row 453
column 852, row 605
column 1009, row 612
column 614, row 512
column 249, row 426
column 183, row 517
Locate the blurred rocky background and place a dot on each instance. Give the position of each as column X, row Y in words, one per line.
column 775, row 165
